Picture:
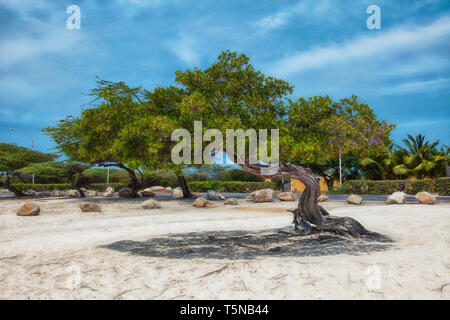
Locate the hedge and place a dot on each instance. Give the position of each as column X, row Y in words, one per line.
column 442, row 185
column 230, row 186
column 65, row 186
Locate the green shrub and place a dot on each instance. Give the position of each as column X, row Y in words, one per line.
column 443, row 186
column 388, row 186
column 66, row 186
column 230, row 186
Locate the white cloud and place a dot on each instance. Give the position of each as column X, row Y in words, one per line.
column 423, row 123
column 184, row 47
column 384, row 43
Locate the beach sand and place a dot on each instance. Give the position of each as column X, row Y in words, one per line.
column 219, row 252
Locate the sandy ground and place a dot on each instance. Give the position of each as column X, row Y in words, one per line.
column 219, row 252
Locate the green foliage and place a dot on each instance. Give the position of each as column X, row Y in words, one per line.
column 65, row 186
column 389, row 186
column 13, row 158
column 443, row 186
column 230, row 186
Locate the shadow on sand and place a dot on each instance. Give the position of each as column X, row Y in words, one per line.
column 236, row 245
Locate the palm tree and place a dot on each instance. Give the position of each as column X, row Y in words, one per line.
column 421, row 158
column 382, row 166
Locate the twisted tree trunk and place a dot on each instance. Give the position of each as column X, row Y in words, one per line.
column 309, row 215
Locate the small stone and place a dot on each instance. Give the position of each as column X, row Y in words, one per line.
column 151, row 204
column 28, row 209
column 109, row 192
column 177, row 194
column 32, row 193
column 73, row 193
column 231, row 202
column 57, row 193
column 425, row 198
column 287, row 196
column 90, row 207
column 200, row 202
column 397, row 198
column 354, row 199
column 322, row 198
column 92, row 193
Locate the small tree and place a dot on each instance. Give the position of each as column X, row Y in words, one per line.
column 13, row 158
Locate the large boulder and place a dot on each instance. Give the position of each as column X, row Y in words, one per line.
column 425, row 198
column 28, row 209
column 264, row 195
column 177, row 193
column 231, row 202
column 287, row 196
column 212, row 195
column 169, row 189
column 73, row 193
column 125, row 192
column 90, row 207
column 322, row 198
column 151, row 204
column 354, row 199
column 200, row 202
column 109, row 192
column 397, row 197
column 146, row 193
column 156, row 189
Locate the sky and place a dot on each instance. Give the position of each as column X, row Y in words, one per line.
column 321, row 47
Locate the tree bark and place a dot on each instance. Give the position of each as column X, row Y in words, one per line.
column 309, row 215
column 184, row 187
column 8, row 186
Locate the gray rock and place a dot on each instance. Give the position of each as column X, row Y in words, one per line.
column 177, row 194
column 231, row 202
column 212, row 195
column 73, row 193
column 264, row 195
column 125, row 192
column 287, row 196
column 146, row 193
column 396, row 198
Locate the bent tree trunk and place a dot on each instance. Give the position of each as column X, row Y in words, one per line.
column 309, row 215
column 7, row 185
column 184, row 187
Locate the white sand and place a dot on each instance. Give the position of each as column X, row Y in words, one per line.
column 61, row 253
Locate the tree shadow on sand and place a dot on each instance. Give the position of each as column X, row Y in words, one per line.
column 236, row 245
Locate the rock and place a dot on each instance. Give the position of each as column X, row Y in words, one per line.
column 92, row 193
column 169, row 189
column 264, row 195
column 200, row 202
column 322, row 198
column 287, row 196
column 32, row 193
column 146, row 193
column 425, row 198
column 212, row 195
column 57, row 193
column 177, row 194
column 28, row 209
column 73, row 193
column 231, row 202
column 46, row 193
column 83, row 189
column 354, row 199
column 125, row 192
column 156, row 188
column 151, row 204
column 90, row 207
column 396, row 198
column 109, row 192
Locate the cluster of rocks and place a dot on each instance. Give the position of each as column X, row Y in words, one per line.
column 400, row 198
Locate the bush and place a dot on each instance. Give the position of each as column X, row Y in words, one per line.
column 443, row 186
column 388, row 186
column 230, row 186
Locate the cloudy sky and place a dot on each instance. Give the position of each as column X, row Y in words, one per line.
column 321, row 47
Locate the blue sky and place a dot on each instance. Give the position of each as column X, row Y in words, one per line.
column 321, row 47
